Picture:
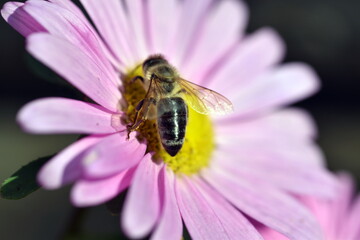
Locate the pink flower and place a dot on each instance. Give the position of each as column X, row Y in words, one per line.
column 339, row 218
column 234, row 168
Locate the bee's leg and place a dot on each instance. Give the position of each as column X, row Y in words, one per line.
column 142, row 110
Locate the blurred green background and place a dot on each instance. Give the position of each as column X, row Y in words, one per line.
column 323, row 33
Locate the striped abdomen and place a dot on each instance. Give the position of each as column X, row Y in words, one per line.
column 172, row 119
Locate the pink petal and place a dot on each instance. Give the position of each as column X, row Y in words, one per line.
column 346, row 190
column 110, row 19
column 137, row 17
column 199, row 218
column 281, row 86
column 286, row 175
column 260, row 141
column 73, row 27
column 339, row 210
column 266, row 205
column 254, row 55
column 187, row 31
column 19, row 19
column 93, row 192
column 235, row 224
column 170, row 224
column 289, row 124
column 61, row 115
column 351, row 230
column 65, row 167
column 113, row 154
column 75, row 66
column 222, row 29
column 59, row 17
column 70, row 6
column 270, row 234
column 142, row 204
column 163, row 19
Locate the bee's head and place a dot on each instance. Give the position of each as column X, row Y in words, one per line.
column 153, row 61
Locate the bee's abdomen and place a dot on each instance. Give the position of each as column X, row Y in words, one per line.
column 172, row 120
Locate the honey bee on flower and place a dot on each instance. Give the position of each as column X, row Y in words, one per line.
column 167, row 99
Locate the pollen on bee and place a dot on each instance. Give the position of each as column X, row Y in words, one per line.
column 198, row 146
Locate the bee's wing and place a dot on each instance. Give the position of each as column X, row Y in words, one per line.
column 147, row 106
column 204, row 100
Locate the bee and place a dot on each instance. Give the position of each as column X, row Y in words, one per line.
column 167, row 99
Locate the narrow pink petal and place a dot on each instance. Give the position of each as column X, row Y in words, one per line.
column 110, row 19
column 113, row 154
column 235, row 224
column 65, row 167
column 19, row 19
column 281, row 86
column 137, row 16
column 162, row 27
column 266, row 205
column 170, row 224
column 199, row 218
column 290, row 123
column 70, row 6
column 346, row 191
column 142, row 204
column 254, row 55
column 97, row 191
column 69, row 25
column 61, row 115
column 194, row 13
column 351, row 230
column 270, row 234
column 222, row 29
column 75, row 66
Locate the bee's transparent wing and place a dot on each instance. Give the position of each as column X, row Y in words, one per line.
column 204, row 100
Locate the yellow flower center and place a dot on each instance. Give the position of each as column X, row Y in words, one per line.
column 198, row 144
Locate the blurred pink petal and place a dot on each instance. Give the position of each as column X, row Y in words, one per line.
column 62, row 23
column 137, row 16
column 65, row 167
column 162, row 27
column 194, row 13
column 289, row 124
column 280, row 173
column 280, row 86
column 142, row 204
column 61, row 115
column 339, row 217
column 169, row 225
column 236, row 224
column 267, row 205
column 19, row 19
column 254, row 55
column 74, row 65
column 93, row 192
column 220, row 32
column 113, row 154
column 110, row 19
column 200, row 219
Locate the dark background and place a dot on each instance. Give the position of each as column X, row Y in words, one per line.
column 323, row 33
